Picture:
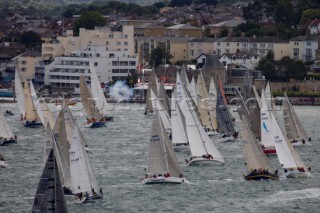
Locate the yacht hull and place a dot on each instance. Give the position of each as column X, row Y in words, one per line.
column 6, row 142
column 3, row 164
column 204, row 161
column 157, row 180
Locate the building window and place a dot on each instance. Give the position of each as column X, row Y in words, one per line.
column 262, row 45
column 308, row 43
column 191, row 44
column 295, row 52
column 24, row 62
column 296, row 43
column 227, row 51
column 125, row 43
column 125, row 36
column 308, row 52
column 218, row 44
column 23, row 69
column 98, row 55
column 95, row 64
column 238, row 44
column 192, row 52
column 228, row 44
column 118, row 42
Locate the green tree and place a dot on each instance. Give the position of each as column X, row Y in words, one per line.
column 180, row 3
column 269, row 70
column 299, row 70
column 88, row 20
column 224, row 32
column 30, row 39
column 283, row 12
column 284, row 66
column 311, row 14
column 156, row 57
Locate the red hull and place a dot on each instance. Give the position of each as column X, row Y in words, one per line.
column 270, row 151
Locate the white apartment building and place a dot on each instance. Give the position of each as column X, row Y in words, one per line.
column 64, row 72
column 258, row 45
column 198, row 46
column 115, row 38
column 303, row 48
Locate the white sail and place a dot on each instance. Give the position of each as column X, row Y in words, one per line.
column 50, row 120
column 179, row 134
column 62, row 148
column 212, row 103
column 97, row 94
column 192, row 89
column 293, row 126
column 162, row 112
column 282, row 146
column 268, row 96
column 163, row 98
column 200, row 143
column 82, row 178
column 19, row 93
column 37, row 104
column 267, row 137
column 5, row 131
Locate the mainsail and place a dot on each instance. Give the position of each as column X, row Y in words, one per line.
column 82, row 177
column 178, row 125
column 163, row 98
column 97, row 94
column 5, row 131
column 205, row 109
column 37, row 104
column 267, row 135
column 62, row 149
column 161, row 156
column 49, row 197
column 88, row 101
column 253, row 153
column 225, row 122
column 192, row 88
column 200, row 143
column 292, row 123
column 19, row 93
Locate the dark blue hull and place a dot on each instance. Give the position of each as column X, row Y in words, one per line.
column 7, row 142
column 97, row 124
column 32, row 124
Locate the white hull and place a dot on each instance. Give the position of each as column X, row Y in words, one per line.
column 225, row 139
column 204, row 161
column 297, row 174
column 162, row 179
column 298, row 143
column 3, row 164
column 211, row 133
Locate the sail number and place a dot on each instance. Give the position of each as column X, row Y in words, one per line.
column 155, row 138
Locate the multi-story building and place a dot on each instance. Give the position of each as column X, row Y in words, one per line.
column 303, row 48
column 258, row 45
column 184, row 30
column 25, row 63
column 115, row 38
column 64, row 72
column 245, row 59
column 198, row 46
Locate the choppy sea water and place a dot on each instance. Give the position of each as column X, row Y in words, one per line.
column 118, row 158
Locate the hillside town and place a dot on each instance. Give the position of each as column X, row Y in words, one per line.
column 123, row 48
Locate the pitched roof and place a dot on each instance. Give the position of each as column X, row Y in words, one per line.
column 212, row 62
column 183, row 27
column 304, row 38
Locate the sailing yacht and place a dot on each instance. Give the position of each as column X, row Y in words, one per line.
column 83, row 182
column 152, row 85
column 6, row 135
column 257, row 162
column 294, row 128
column 178, row 125
column 267, row 137
column 3, row 162
column 224, row 118
column 94, row 117
column 49, row 196
column 206, row 109
column 288, row 157
column 29, row 116
column 162, row 166
column 203, row 150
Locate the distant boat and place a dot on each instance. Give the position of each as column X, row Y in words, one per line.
column 83, row 182
column 162, row 166
column 3, row 162
column 6, row 135
column 94, row 117
column 203, row 150
column 29, row 116
column 178, row 125
column 294, row 128
column 49, row 196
